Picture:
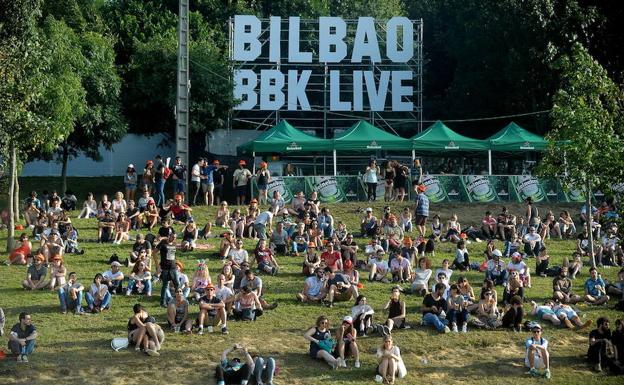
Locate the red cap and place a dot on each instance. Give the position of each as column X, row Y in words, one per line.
column 242, row 162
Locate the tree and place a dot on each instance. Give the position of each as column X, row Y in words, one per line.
column 586, row 147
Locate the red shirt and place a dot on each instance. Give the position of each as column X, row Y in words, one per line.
column 263, row 255
column 331, row 259
column 177, row 209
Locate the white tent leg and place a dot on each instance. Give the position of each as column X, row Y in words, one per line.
column 253, row 166
column 489, row 162
column 335, row 165
column 413, row 156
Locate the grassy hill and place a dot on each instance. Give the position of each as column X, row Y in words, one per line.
column 77, row 349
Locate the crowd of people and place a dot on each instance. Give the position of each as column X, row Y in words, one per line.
column 394, row 248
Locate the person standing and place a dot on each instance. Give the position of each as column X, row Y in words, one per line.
column 422, row 209
column 240, row 182
column 263, row 177
column 196, row 179
column 219, row 181
column 207, row 181
column 22, row 337
column 371, row 179
column 178, row 174
column 159, row 180
column 131, row 180
column 168, row 269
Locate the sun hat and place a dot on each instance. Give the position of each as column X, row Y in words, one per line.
column 348, row 319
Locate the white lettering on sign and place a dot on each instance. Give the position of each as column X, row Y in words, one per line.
column 260, row 41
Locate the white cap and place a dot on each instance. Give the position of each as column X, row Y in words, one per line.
column 348, row 319
column 369, row 209
column 515, row 255
column 497, row 253
column 115, row 263
column 130, row 165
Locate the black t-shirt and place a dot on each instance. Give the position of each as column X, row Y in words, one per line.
column 131, row 212
column 428, row 301
column 137, row 247
column 347, row 243
column 213, row 301
column 167, row 255
column 595, row 334
column 23, row 333
column 338, row 277
column 165, row 231
column 584, row 240
column 158, row 174
column 218, row 176
column 179, row 171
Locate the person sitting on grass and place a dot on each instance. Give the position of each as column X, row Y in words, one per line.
column 177, row 313
column 422, row 274
column 201, row 280
column 390, row 362
column 617, row 288
column 487, row 315
column 106, row 225
column 512, row 319
column 338, row 287
column 279, row 239
column 368, row 224
column 441, row 278
column 143, row 332
column 255, row 284
column 150, row 216
column 346, row 345
column 396, row 312
column 536, row 355
column 517, row 264
column 70, row 295
column 211, row 312
column 514, row 287
column 541, row 262
column 321, row 343
column 457, row 310
column 378, row 268
column 372, row 249
column 362, row 315
column 569, row 317
column 122, row 226
column 22, row 337
column 562, row 288
column 189, row 236
column 237, row 224
column 180, row 211
column 132, row 213
column 595, row 292
column 532, row 242
column 434, row 309
column 461, row 261
column 98, row 297
column 311, row 261
column 113, row 278
column 140, row 280
column 225, row 293
column 401, row 268
column 19, row 255
column 313, row 289
column 600, row 340
column 332, row 258
column 264, row 258
column 247, row 305
column 36, row 274
column 300, row 239
column 57, row 273
column 234, row 371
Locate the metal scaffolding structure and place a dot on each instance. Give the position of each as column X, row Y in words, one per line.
column 320, row 120
column 183, row 84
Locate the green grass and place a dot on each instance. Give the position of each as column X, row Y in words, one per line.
column 77, row 349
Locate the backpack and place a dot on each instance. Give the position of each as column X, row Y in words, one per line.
column 167, row 173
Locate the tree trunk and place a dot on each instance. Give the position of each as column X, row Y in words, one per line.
column 64, row 159
column 588, row 223
column 12, row 172
column 16, row 197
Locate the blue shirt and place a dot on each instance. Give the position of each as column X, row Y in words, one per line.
column 208, row 172
column 590, row 286
column 422, row 205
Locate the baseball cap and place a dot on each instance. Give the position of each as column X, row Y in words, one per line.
column 497, row 253
column 348, row 319
column 115, row 263
column 536, row 326
column 242, row 162
column 131, row 165
column 369, row 209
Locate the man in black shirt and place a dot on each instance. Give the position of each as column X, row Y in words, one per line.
column 178, row 174
column 434, row 309
column 141, row 249
column 599, row 338
column 211, row 312
column 168, row 271
column 159, row 181
column 22, row 338
column 218, row 177
column 339, row 287
column 166, row 230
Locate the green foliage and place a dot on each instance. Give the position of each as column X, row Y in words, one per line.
column 587, row 119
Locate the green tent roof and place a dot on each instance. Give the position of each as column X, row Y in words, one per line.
column 284, row 138
column 363, row 136
column 438, row 137
column 515, row 138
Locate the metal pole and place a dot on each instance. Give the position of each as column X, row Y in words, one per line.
column 183, row 85
column 489, row 162
column 335, row 165
column 413, row 155
column 325, row 118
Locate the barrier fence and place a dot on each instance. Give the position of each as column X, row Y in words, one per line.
column 439, row 188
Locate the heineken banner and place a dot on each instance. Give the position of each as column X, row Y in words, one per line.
column 440, row 188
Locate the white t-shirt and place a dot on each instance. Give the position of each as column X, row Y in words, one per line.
column 314, row 285
column 539, row 362
column 535, row 237
column 372, row 250
column 109, row 275
column 102, row 290
column 403, row 263
column 448, row 273
column 239, row 256
column 224, row 293
column 264, row 218
column 520, row 267
column 195, row 173
column 422, row 276
column 381, row 265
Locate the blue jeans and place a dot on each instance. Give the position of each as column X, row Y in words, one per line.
column 147, row 288
column 458, row 317
column 17, row 348
column 160, row 192
column 165, row 277
column 328, row 231
column 497, row 279
column 299, row 247
column 262, row 374
column 178, row 186
column 67, row 302
column 431, row 319
column 104, row 304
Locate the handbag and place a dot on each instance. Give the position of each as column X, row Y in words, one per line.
column 327, row 344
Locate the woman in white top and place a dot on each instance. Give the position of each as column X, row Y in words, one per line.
column 371, row 179
column 119, row 204
column 422, row 274
column 390, row 362
column 89, row 207
column 131, row 180
column 362, row 314
column 453, row 229
column 406, row 219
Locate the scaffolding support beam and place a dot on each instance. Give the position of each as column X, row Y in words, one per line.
column 183, row 85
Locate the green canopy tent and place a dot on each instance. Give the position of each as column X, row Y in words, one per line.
column 439, row 138
column 364, row 137
column 513, row 138
column 286, row 139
